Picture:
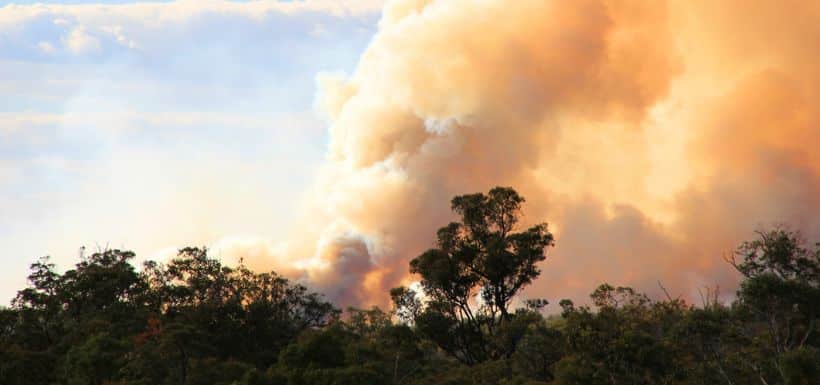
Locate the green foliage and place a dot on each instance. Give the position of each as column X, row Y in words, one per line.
column 538, row 350
column 801, row 366
column 480, row 256
column 778, row 304
column 780, row 252
column 193, row 321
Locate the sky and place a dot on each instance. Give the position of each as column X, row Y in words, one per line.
column 121, row 125
column 323, row 139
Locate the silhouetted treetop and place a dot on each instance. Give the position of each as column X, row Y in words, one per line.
column 480, row 255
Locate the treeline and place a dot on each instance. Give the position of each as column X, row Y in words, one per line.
column 194, row 321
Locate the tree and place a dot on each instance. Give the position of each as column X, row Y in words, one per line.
column 539, row 348
column 195, row 321
column 479, row 256
column 780, row 297
column 104, row 285
column 624, row 342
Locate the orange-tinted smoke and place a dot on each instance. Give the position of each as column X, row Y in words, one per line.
column 653, row 136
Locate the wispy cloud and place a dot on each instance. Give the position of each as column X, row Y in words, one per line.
column 155, row 125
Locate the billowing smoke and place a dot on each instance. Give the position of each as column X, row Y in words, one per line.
column 653, row 137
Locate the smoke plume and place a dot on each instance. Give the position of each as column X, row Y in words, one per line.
column 653, row 136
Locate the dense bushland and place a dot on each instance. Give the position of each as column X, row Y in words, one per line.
column 194, row 321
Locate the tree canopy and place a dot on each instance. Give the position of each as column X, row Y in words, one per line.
column 193, row 320
column 481, row 255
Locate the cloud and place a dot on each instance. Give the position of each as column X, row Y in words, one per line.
column 46, row 47
column 158, row 125
column 79, row 41
column 160, row 30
